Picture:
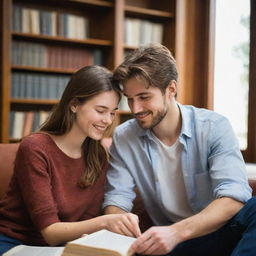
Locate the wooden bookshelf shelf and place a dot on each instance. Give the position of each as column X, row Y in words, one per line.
column 44, row 70
column 90, row 41
column 147, row 12
column 14, row 140
column 94, row 2
column 34, row 101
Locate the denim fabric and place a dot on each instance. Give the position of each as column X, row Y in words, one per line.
column 236, row 238
column 7, row 243
column 212, row 164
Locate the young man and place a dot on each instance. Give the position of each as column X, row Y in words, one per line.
column 186, row 164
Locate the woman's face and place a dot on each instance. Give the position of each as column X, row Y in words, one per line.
column 96, row 115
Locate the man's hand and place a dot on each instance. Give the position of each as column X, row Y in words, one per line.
column 156, row 241
column 124, row 223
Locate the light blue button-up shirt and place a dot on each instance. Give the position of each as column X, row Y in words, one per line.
column 211, row 160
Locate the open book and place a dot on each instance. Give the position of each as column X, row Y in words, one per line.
column 25, row 250
column 100, row 243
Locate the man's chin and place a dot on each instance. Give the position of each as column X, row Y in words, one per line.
column 143, row 124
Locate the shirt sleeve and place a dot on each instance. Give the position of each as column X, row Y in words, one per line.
column 226, row 164
column 120, row 183
column 33, row 177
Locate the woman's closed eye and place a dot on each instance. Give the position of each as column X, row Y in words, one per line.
column 100, row 111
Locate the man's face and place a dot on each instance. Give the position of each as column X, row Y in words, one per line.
column 148, row 105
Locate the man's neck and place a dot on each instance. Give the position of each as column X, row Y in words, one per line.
column 168, row 130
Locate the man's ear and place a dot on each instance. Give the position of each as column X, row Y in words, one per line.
column 171, row 89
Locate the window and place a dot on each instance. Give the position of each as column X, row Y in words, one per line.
column 234, row 85
column 231, row 69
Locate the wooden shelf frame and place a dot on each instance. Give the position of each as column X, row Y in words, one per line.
column 60, row 39
column 148, row 12
column 100, row 3
column 42, row 69
column 34, row 101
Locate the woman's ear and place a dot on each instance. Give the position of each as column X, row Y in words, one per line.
column 73, row 105
column 73, row 108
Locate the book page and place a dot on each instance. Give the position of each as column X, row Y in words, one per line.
column 24, row 250
column 107, row 240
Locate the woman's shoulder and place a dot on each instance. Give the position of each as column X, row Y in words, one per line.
column 36, row 141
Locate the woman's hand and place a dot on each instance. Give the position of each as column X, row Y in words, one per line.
column 124, row 223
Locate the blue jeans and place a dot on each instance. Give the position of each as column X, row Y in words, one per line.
column 6, row 243
column 236, row 238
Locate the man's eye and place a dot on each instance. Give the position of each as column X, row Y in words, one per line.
column 144, row 98
column 100, row 111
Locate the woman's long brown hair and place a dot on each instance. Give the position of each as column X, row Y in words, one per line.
column 83, row 85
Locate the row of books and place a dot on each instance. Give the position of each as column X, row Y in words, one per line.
column 51, row 56
column 22, row 123
column 45, row 22
column 38, row 86
column 140, row 32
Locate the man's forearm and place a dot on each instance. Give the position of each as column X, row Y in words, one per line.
column 214, row 216
column 113, row 210
column 161, row 240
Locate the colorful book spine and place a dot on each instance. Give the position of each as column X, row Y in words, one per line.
column 23, row 123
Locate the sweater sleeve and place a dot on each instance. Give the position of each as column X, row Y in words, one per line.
column 33, row 177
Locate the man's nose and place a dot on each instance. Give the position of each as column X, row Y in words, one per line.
column 136, row 107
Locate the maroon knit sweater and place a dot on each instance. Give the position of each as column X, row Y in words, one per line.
column 43, row 191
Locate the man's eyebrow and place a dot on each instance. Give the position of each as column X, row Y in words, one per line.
column 139, row 94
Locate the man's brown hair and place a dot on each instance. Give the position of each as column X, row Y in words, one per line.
column 153, row 64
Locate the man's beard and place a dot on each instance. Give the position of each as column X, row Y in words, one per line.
column 155, row 121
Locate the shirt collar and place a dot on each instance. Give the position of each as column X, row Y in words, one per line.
column 186, row 128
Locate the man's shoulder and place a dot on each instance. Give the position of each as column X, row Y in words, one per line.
column 201, row 114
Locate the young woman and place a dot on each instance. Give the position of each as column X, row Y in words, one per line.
column 57, row 189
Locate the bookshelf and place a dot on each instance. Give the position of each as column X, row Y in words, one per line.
column 44, row 42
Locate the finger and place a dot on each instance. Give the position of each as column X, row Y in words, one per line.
column 131, row 222
column 134, row 224
column 124, row 230
column 125, row 226
column 143, row 246
column 137, row 245
column 152, row 249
